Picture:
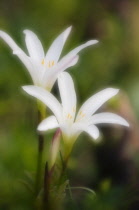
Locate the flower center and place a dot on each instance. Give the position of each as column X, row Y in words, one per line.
column 81, row 116
column 49, row 63
column 69, row 116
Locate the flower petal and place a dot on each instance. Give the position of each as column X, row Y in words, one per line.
column 20, row 53
column 9, row 41
column 48, row 123
column 67, row 61
column 50, row 76
column 93, row 131
column 47, row 98
column 68, row 95
column 79, row 48
column 34, row 46
column 55, row 49
column 77, row 128
column 107, row 117
column 95, row 102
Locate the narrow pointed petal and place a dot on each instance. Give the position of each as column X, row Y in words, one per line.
column 47, row 98
column 67, row 61
column 67, row 94
column 48, row 123
column 108, row 118
column 9, row 41
column 55, row 49
column 96, row 101
column 93, row 131
column 20, row 53
column 29, row 64
column 50, row 76
column 79, row 48
column 34, row 46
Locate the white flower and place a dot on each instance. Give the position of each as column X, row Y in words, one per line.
column 44, row 69
column 65, row 116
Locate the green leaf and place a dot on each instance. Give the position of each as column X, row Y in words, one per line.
column 83, row 188
column 27, row 185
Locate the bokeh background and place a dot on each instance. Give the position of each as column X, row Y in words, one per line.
column 111, row 166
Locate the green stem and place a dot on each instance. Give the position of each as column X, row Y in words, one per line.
column 47, row 205
column 46, row 188
column 39, row 159
column 63, row 174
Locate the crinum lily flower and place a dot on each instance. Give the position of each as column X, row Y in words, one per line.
column 65, row 116
column 44, row 69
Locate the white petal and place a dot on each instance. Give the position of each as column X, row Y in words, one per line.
column 34, row 46
column 67, row 94
column 48, row 123
column 108, row 118
column 67, row 61
column 20, row 53
column 96, row 101
column 47, row 98
column 50, row 76
column 93, row 131
column 29, row 64
column 79, row 48
column 9, row 41
column 77, row 128
column 55, row 49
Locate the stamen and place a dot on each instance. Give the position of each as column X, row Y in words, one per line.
column 80, row 113
column 42, row 62
column 69, row 116
column 50, row 64
column 83, row 115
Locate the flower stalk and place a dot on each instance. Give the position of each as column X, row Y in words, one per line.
column 41, row 115
column 46, row 203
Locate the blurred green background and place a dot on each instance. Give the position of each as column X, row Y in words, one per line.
column 110, row 167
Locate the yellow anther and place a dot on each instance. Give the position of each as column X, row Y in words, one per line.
column 80, row 113
column 53, row 63
column 69, row 116
column 50, row 64
column 83, row 115
column 42, row 62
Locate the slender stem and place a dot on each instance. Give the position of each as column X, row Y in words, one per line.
column 39, row 159
column 47, row 183
column 46, row 188
column 63, row 173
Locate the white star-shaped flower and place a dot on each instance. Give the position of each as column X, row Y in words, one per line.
column 44, row 68
column 65, row 116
